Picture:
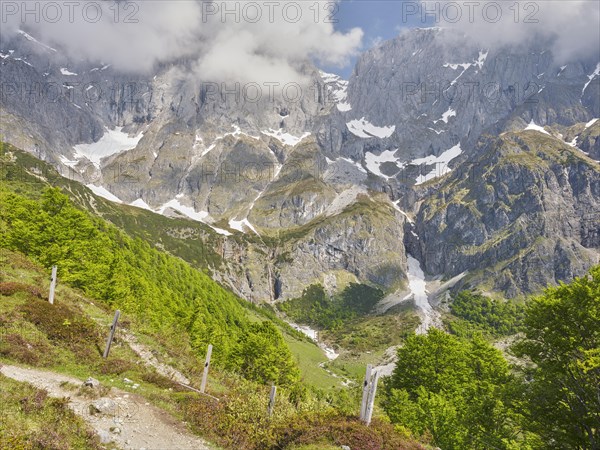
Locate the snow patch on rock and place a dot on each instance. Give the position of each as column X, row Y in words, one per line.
column 441, row 164
column 101, row 191
column 417, row 286
column 240, row 224
column 67, row 72
column 337, row 89
column 364, row 129
column 449, row 113
column 532, row 126
column 374, row 162
column 591, row 78
column 112, row 142
column 139, row 203
column 285, row 138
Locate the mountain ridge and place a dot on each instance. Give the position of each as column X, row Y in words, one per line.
column 275, row 168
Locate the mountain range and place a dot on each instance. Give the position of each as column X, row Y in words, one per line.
column 482, row 164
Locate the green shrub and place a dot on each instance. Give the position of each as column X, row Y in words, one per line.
column 332, row 428
column 240, row 421
column 15, row 346
column 262, row 356
column 65, row 327
column 33, row 421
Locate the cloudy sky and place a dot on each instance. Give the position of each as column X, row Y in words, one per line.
column 261, row 41
column 572, row 25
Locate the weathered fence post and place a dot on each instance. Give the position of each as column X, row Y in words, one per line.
column 272, row 400
column 365, row 394
column 111, row 335
column 371, row 401
column 206, row 366
column 52, row 285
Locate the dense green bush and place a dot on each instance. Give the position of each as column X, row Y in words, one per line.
column 240, row 421
column 263, row 356
column 64, row 326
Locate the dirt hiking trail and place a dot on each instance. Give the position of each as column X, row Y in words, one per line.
column 121, row 417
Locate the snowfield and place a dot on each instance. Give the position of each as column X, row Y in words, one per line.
column 446, row 116
column 285, row 138
column 364, row 129
column 533, row 126
column 441, row 164
column 591, row 78
column 112, row 142
column 338, row 90
column 139, row 203
column 240, row 224
column 104, row 193
column 416, row 284
column 373, row 161
column 67, row 72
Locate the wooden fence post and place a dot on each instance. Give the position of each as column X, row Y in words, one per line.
column 272, row 400
column 111, row 335
column 206, row 366
column 371, row 402
column 363, row 403
column 52, row 285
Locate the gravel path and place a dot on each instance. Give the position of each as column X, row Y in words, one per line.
column 126, row 419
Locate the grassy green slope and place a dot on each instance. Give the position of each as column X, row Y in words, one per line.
column 176, row 313
column 68, row 338
column 125, row 273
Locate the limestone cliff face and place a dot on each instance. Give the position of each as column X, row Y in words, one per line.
column 437, row 89
column 301, row 192
column 363, row 242
column 523, row 214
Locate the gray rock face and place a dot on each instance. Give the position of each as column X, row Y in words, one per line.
column 363, row 242
column 301, row 189
column 589, row 140
column 439, row 89
column 522, row 215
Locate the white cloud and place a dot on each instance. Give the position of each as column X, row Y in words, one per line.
column 221, row 47
column 573, row 26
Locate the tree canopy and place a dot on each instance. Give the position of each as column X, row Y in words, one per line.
column 480, row 313
column 454, row 390
column 562, row 340
column 316, row 308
